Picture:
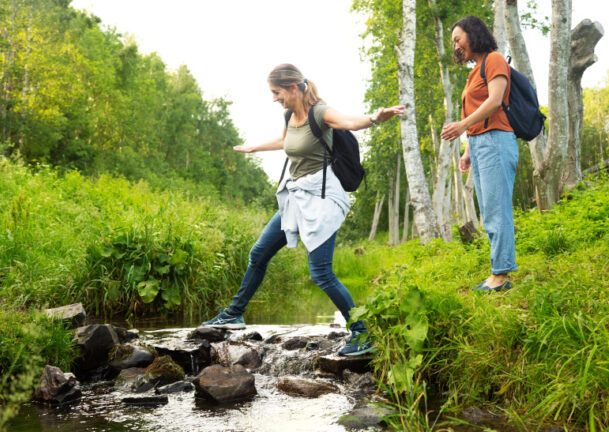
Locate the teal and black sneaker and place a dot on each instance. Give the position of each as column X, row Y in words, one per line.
column 358, row 343
column 225, row 321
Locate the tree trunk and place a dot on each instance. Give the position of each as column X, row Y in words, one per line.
column 584, row 38
column 547, row 177
column 458, row 203
column 394, row 206
column 468, row 195
column 378, row 207
column 446, row 228
column 548, row 156
column 406, row 230
column 442, row 179
column 499, row 26
column 26, row 76
column 6, row 85
column 424, row 216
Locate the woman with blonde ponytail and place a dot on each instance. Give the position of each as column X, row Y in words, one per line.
column 303, row 213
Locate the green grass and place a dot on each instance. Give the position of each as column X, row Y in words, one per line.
column 538, row 353
column 121, row 248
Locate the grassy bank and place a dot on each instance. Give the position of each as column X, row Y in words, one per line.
column 538, row 353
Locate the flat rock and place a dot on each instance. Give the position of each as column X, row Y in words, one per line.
column 225, row 384
column 209, row 334
column 364, row 417
column 337, row 364
column 305, row 387
column 191, row 359
column 74, row 315
column 134, row 379
column 146, row 400
column 176, row 387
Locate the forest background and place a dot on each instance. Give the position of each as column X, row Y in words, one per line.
column 120, row 187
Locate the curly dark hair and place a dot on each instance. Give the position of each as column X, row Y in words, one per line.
column 481, row 39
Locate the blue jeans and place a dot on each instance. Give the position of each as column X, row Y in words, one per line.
column 320, row 267
column 494, row 156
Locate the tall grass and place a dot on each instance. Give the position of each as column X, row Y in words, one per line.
column 538, row 353
column 121, row 248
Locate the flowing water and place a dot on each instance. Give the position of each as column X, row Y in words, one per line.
column 101, row 407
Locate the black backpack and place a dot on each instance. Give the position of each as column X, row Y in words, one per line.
column 344, row 157
column 523, row 111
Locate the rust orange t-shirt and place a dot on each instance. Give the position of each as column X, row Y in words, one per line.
column 476, row 92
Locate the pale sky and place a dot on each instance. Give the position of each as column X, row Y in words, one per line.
column 230, row 46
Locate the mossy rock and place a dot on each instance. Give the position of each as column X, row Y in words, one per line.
column 165, row 371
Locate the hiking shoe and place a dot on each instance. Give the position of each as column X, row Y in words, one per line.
column 506, row 285
column 357, row 344
column 225, row 321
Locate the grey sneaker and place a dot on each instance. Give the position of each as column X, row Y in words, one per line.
column 225, row 321
column 358, row 343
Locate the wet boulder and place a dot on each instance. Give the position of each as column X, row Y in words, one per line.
column 221, row 384
column 208, row 334
column 176, row 387
column 305, row 387
column 134, row 380
column 359, row 383
column 253, row 336
column 56, row 387
column 164, row 370
column 237, row 353
column 337, row 364
column 365, row 417
column 73, row 315
column 128, row 356
column 295, row 343
column 191, row 358
column 94, row 342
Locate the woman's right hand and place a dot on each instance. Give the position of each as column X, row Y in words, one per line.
column 465, row 163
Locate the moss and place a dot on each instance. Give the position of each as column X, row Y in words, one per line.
column 165, row 370
column 120, row 352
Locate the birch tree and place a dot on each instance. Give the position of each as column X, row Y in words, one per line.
column 548, row 155
column 424, row 215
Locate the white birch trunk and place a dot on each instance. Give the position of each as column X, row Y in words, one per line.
column 549, row 174
column 26, row 75
column 584, row 38
column 470, row 206
column 378, row 207
column 424, row 216
column 499, row 26
column 6, row 85
column 442, row 179
column 406, row 230
column 394, row 206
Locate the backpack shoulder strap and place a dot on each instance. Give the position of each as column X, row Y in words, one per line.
column 316, row 129
column 288, row 114
column 483, row 75
column 482, row 69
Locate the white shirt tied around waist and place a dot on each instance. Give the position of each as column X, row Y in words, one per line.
column 304, row 212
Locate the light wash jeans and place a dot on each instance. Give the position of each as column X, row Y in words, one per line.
column 320, row 267
column 494, row 156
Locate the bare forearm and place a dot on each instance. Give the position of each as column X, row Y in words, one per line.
column 276, row 144
column 483, row 112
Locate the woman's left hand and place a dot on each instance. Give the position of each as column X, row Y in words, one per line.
column 452, row 131
column 385, row 114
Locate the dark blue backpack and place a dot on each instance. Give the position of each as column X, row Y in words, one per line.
column 344, row 156
column 523, row 111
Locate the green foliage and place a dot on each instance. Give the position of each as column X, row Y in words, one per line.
column 539, row 351
column 121, row 248
column 28, row 341
column 79, row 97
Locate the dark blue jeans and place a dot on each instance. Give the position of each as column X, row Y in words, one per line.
column 320, row 267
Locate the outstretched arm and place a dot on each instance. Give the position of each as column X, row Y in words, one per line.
column 276, row 144
column 338, row 120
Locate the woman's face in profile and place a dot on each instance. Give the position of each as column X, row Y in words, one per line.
column 461, row 46
column 282, row 95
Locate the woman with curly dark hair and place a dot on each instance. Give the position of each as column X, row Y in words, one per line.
column 492, row 150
